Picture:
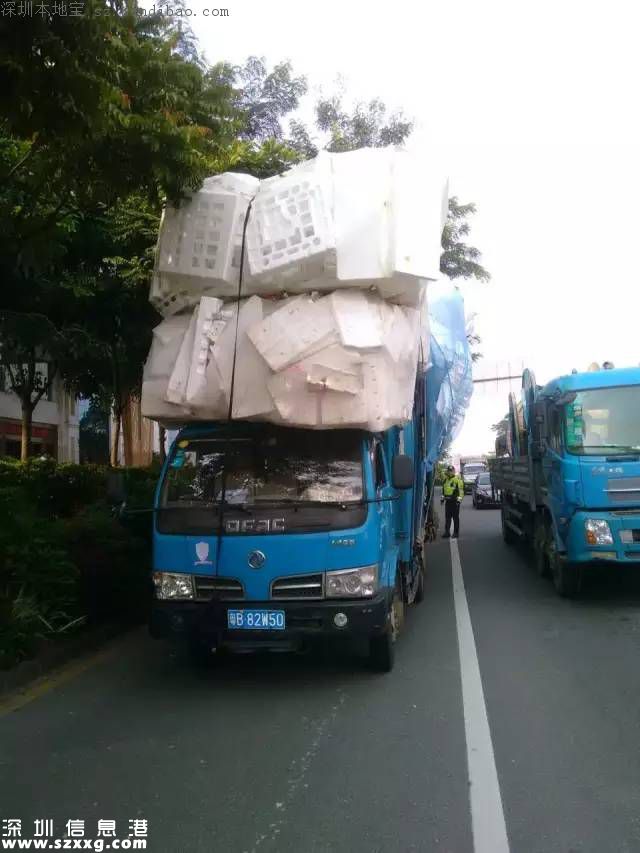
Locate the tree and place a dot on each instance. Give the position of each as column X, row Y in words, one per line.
column 33, row 353
column 367, row 125
column 262, row 97
column 459, row 260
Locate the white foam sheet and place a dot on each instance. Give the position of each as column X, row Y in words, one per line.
column 362, row 210
column 155, row 406
column 199, row 381
column 167, row 338
column 251, row 397
column 344, row 360
column 417, row 191
column 301, row 327
column 177, row 386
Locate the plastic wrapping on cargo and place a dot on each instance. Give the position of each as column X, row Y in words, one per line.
column 449, row 376
column 347, row 359
column 370, row 218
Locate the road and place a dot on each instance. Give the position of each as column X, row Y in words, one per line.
column 321, row 756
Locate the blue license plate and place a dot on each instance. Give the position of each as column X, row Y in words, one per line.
column 256, row 620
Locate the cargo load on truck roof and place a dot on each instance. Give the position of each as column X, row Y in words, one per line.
column 301, row 299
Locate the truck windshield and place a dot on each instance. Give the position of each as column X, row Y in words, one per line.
column 604, row 420
column 268, row 466
column 473, row 470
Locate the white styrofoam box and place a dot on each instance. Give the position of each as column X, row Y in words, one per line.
column 417, row 192
column 208, row 321
column 290, row 234
column 233, row 182
column 202, row 239
column 362, row 209
column 301, row 327
column 155, row 406
column 358, row 318
column 177, row 385
column 325, row 378
column 167, row 338
column 251, row 397
column 296, row 404
column 170, row 294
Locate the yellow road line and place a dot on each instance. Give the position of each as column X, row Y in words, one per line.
column 56, row 678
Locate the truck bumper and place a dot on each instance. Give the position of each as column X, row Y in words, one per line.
column 623, row 549
column 305, row 621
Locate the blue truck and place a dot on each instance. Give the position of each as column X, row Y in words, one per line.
column 272, row 537
column 567, row 468
column 269, row 537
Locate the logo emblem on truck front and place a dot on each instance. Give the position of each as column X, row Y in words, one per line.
column 256, row 559
column 202, row 553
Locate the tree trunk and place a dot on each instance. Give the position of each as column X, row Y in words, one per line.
column 115, row 443
column 25, row 433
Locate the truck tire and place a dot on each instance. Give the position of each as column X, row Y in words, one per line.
column 420, row 589
column 507, row 533
column 567, row 577
column 382, row 647
column 541, row 549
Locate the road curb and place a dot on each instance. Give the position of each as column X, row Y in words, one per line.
column 56, row 655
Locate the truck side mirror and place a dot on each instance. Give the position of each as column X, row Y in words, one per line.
column 116, row 487
column 402, row 472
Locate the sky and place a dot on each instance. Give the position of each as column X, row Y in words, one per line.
column 533, row 109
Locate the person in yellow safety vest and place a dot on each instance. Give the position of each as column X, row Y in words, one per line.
column 452, row 494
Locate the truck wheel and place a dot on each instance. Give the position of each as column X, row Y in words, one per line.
column 507, row 533
column 420, row 589
column 567, row 577
column 540, row 549
column 382, row 647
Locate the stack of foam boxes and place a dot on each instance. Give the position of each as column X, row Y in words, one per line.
column 328, row 323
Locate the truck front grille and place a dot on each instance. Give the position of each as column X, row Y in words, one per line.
column 214, row 587
column 298, row 586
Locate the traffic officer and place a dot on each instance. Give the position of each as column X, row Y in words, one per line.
column 452, row 494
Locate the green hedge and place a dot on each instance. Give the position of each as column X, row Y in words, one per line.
column 66, row 560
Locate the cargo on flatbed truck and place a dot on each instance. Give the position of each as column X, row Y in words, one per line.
column 568, row 469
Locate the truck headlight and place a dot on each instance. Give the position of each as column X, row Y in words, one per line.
column 173, row 585
column 352, row 583
column 598, row 531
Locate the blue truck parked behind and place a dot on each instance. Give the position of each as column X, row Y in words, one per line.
column 569, row 473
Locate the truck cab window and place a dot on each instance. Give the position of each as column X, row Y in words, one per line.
column 555, row 430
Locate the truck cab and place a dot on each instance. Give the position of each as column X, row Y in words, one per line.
column 273, row 537
column 590, row 469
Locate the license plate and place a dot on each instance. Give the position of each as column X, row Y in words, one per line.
column 256, row 620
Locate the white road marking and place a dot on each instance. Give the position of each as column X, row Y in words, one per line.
column 487, row 816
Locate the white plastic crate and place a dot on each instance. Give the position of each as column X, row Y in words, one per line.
column 290, row 237
column 200, row 242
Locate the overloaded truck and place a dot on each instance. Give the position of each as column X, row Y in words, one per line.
column 568, row 469
column 291, row 507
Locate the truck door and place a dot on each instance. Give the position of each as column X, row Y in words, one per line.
column 552, row 463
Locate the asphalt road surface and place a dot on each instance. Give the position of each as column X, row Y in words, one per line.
column 316, row 755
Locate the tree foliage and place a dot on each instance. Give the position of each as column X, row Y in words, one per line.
column 459, row 259
column 367, row 125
